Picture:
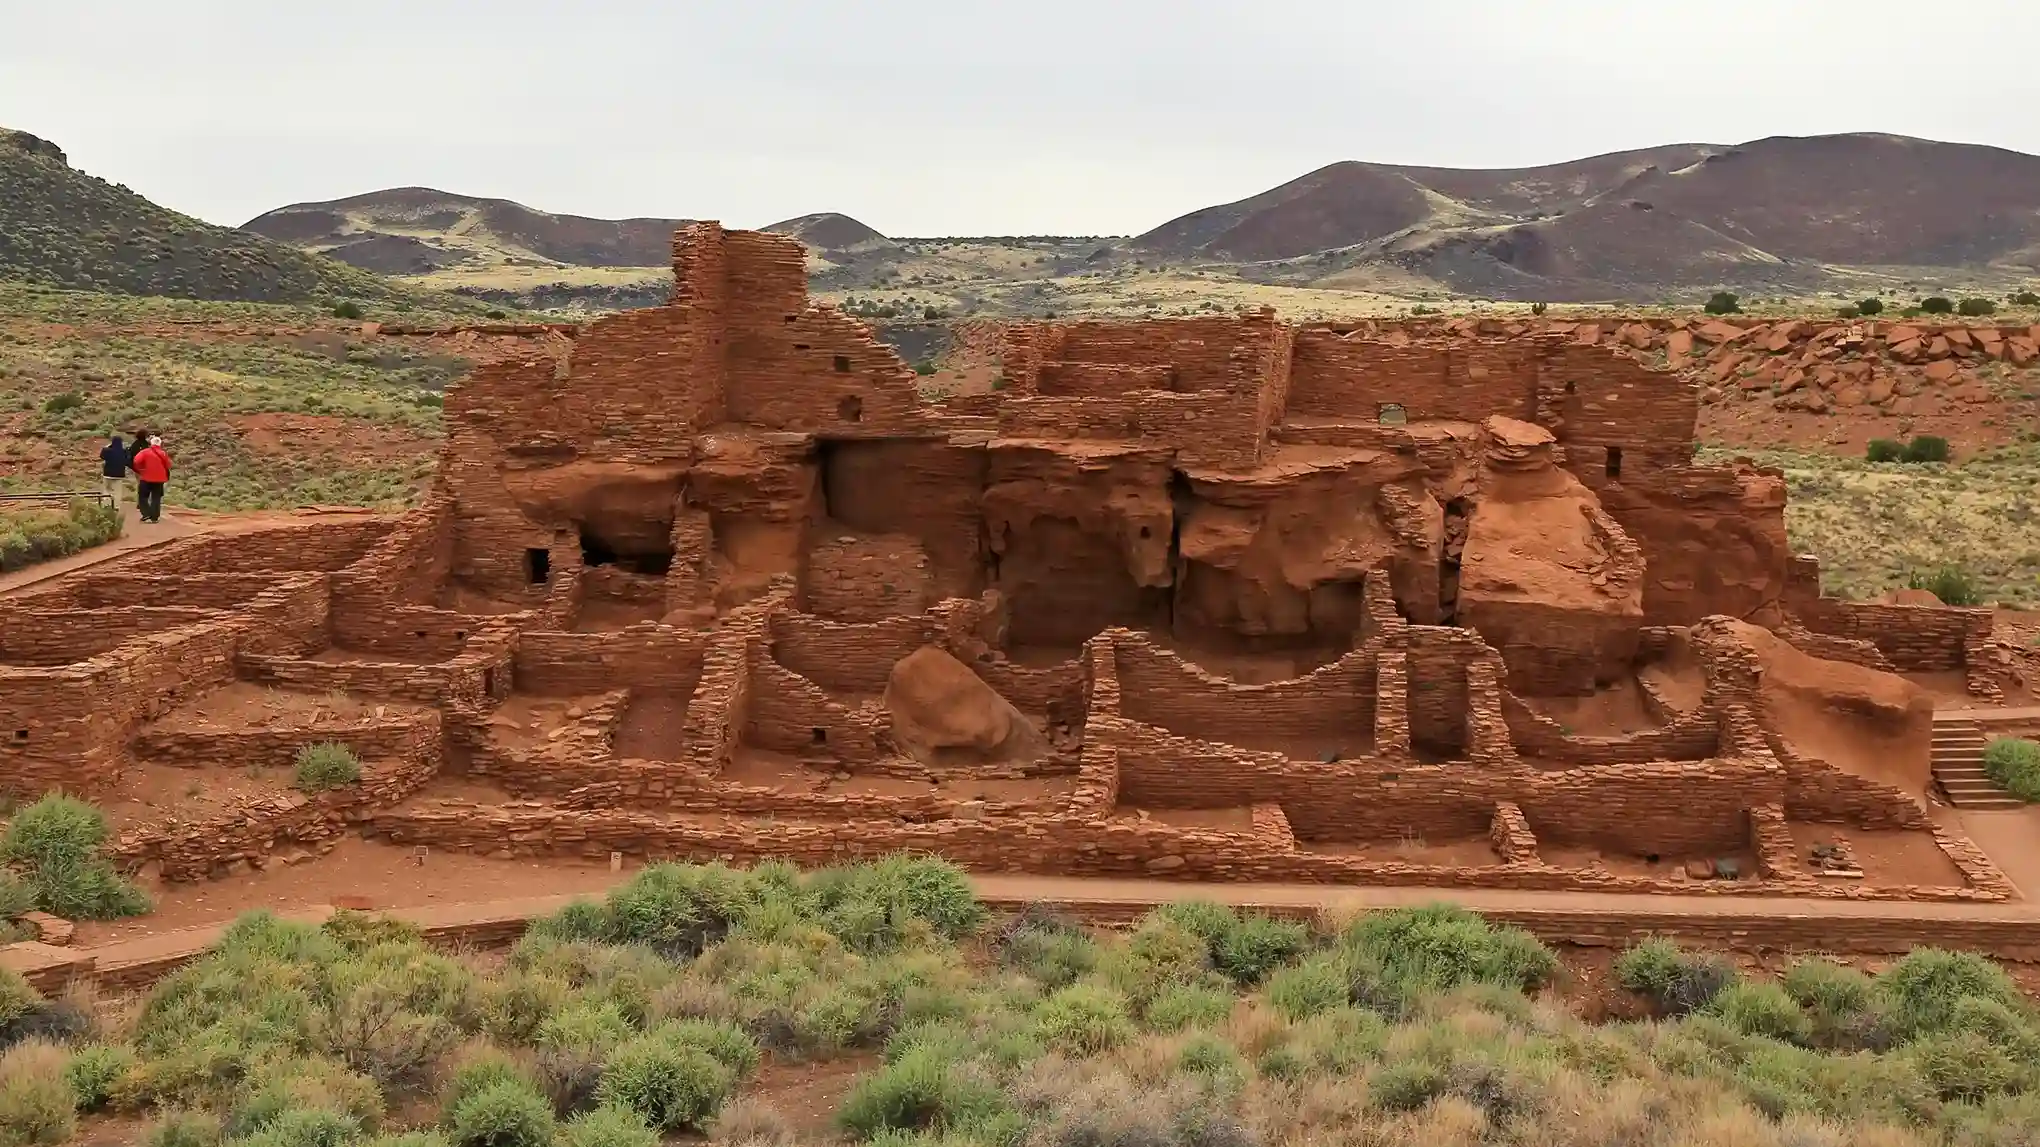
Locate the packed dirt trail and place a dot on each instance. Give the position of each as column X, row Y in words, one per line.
column 137, row 535
column 447, row 887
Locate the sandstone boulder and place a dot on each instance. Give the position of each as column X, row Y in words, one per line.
column 944, row 714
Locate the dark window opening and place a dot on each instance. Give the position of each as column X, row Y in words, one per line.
column 819, row 736
column 1614, row 461
column 801, row 346
column 1392, row 414
column 460, row 635
column 842, row 364
column 417, row 633
column 1145, row 532
column 537, row 566
column 1571, row 387
column 851, row 409
column 488, row 682
column 597, row 551
column 21, row 734
column 791, row 318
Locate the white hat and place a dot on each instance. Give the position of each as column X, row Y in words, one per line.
column 155, row 440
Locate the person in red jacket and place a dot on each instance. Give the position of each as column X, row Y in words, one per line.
column 151, row 465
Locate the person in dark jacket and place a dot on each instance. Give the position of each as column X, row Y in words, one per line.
column 151, row 465
column 113, row 468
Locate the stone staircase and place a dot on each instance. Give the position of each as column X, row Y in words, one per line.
column 1958, row 767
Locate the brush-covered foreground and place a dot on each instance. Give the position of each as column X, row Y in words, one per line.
column 679, row 1004
column 31, row 533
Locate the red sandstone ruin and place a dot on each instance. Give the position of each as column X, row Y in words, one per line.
column 1219, row 598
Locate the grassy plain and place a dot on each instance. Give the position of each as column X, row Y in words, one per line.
column 313, row 416
column 1875, row 524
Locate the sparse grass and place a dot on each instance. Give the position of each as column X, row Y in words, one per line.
column 648, row 1012
column 374, row 411
column 1874, row 525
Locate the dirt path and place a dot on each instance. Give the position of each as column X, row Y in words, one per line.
column 388, row 877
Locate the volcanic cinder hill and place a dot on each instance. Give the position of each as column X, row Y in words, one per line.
column 61, row 227
column 418, row 230
column 1780, row 212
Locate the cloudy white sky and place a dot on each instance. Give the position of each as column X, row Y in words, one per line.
column 926, row 117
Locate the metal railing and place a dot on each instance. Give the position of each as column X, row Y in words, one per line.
column 64, row 496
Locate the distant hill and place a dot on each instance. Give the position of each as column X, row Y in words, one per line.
column 833, row 233
column 62, row 227
column 1783, row 212
column 417, row 230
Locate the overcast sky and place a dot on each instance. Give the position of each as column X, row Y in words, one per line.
column 933, row 117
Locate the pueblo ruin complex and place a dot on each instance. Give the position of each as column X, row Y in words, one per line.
column 1218, row 599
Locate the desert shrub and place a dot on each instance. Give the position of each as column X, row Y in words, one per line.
column 304, row 1127
column 1051, row 951
column 67, row 401
column 283, row 1086
column 1926, row 987
column 871, row 906
column 1885, row 450
column 573, row 1044
column 923, row 1090
column 673, row 1085
column 678, row 909
column 37, row 1103
column 1723, row 303
column 1927, row 448
column 347, row 309
column 1304, row 990
column 924, row 368
column 1443, row 947
column 1975, row 306
column 2014, row 763
column 1761, row 1009
column 480, row 1068
column 750, row 1123
column 408, row 1139
column 1083, row 1019
column 1406, row 1085
column 1675, row 981
column 2026, row 299
column 324, row 766
column 1180, row 1006
column 1936, row 305
column 1953, row 584
column 1964, row 1066
column 607, row 1127
column 178, row 1128
column 17, row 997
column 57, row 845
column 495, row 314
column 502, row 1114
column 1847, row 311
column 96, row 1072
column 1255, row 946
column 515, row 1004
column 392, row 1013
column 1870, row 306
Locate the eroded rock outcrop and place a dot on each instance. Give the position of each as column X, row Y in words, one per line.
column 1546, row 576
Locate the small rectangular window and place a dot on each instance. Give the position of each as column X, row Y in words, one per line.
column 842, row 364
column 537, row 566
column 1614, row 461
